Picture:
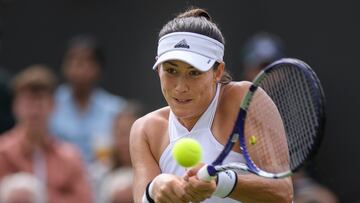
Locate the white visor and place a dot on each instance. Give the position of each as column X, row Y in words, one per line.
column 197, row 50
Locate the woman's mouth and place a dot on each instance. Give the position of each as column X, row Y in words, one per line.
column 182, row 101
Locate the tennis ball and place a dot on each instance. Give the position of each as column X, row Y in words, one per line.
column 252, row 140
column 187, row 152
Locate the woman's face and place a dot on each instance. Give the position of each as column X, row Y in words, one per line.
column 187, row 90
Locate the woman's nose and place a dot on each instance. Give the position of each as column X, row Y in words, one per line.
column 182, row 84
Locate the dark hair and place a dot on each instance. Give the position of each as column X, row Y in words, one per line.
column 194, row 20
column 88, row 41
column 199, row 21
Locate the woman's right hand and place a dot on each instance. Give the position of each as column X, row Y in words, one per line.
column 199, row 190
column 169, row 188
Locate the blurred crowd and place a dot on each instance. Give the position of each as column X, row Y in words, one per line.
column 65, row 142
column 69, row 142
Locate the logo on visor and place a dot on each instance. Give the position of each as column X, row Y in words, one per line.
column 182, row 44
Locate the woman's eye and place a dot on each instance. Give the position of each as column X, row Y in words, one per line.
column 170, row 70
column 195, row 73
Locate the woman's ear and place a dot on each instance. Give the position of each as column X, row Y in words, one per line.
column 157, row 69
column 218, row 73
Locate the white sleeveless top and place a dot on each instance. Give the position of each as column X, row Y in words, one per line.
column 202, row 133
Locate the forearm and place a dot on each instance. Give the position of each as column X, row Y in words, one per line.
column 254, row 189
column 144, row 172
column 138, row 188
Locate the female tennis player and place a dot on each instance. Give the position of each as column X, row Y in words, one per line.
column 203, row 104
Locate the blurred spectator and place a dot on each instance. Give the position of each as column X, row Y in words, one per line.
column 259, row 51
column 29, row 147
column 6, row 117
column 21, row 188
column 123, row 123
column 84, row 112
column 116, row 186
column 306, row 190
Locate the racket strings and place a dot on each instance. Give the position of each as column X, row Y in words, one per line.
column 291, row 91
column 265, row 134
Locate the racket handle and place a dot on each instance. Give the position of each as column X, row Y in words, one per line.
column 206, row 173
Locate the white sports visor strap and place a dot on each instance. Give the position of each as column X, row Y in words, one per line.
column 198, row 50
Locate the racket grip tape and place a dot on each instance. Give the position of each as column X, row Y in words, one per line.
column 206, row 173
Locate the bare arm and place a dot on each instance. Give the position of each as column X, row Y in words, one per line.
column 254, row 189
column 250, row 188
column 145, row 166
column 166, row 187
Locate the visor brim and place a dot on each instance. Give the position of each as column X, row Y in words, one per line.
column 198, row 61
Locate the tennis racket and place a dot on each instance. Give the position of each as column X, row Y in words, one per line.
column 280, row 122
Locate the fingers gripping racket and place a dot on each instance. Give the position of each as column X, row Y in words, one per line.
column 280, row 122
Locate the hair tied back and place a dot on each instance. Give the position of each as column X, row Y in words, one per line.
column 195, row 12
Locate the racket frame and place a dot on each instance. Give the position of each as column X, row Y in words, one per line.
column 238, row 131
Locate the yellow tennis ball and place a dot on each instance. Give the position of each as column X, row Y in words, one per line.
column 187, row 152
column 252, row 140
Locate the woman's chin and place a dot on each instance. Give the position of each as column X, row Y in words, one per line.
column 184, row 113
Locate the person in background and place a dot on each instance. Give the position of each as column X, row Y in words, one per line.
column 21, row 188
column 259, row 51
column 84, row 112
column 116, row 185
column 29, row 146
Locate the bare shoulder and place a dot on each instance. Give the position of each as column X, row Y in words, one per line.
column 237, row 86
column 228, row 108
column 145, row 125
column 234, row 91
column 149, row 135
column 231, row 97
